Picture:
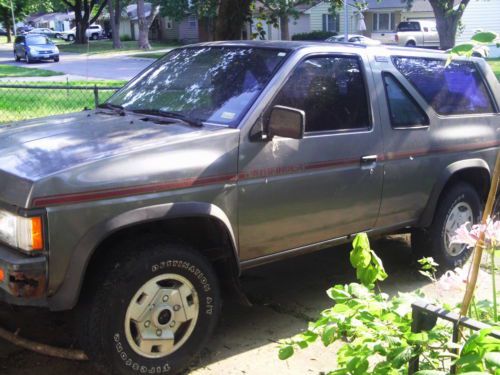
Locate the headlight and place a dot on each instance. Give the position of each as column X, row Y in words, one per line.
column 25, row 233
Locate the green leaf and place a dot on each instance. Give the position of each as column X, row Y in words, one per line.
column 469, row 360
column 485, row 37
column 418, row 338
column 285, row 352
column 358, row 365
column 492, row 359
column 400, row 356
column 338, row 294
column 340, row 308
column 464, row 49
column 328, row 335
column 430, row 372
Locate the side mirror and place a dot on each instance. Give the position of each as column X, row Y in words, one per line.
column 286, row 122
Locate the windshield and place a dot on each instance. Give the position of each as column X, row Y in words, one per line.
column 33, row 40
column 409, row 26
column 215, row 84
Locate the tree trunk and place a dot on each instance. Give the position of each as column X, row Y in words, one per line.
column 231, row 16
column 114, row 19
column 6, row 22
column 144, row 24
column 285, row 32
column 447, row 20
column 447, row 30
column 9, row 32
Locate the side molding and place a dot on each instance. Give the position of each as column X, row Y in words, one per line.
column 67, row 295
column 449, row 171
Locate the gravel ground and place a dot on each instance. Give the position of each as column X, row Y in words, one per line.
column 285, row 296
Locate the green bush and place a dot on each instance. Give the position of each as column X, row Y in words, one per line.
column 314, row 35
column 126, row 38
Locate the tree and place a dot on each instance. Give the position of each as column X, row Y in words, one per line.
column 86, row 13
column 227, row 17
column 278, row 12
column 114, row 9
column 447, row 20
column 145, row 22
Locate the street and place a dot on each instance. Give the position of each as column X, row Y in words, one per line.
column 82, row 67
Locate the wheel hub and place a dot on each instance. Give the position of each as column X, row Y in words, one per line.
column 161, row 316
column 460, row 214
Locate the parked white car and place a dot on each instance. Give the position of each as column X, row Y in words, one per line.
column 354, row 38
column 417, row 34
column 94, row 32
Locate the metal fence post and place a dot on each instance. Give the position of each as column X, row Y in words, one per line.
column 96, row 96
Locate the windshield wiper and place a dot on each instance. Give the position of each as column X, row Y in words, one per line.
column 172, row 115
column 115, row 107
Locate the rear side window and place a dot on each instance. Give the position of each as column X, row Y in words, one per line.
column 403, row 109
column 409, row 26
column 455, row 89
column 331, row 91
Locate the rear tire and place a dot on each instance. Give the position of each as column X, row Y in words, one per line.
column 17, row 57
column 159, row 291
column 71, row 38
column 94, row 37
column 458, row 204
column 411, row 44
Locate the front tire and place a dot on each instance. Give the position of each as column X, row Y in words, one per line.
column 154, row 312
column 29, row 60
column 56, row 59
column 459, row 204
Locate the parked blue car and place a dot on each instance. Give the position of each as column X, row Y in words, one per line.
column 35, row 47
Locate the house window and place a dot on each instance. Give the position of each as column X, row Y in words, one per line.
column 331, row 22
column 168, row 23
column 192, row 21
column 384, row 21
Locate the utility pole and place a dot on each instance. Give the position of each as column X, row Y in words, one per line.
column 13, row 18
column 346, row 22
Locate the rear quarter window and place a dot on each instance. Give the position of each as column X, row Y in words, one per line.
column 455, row 89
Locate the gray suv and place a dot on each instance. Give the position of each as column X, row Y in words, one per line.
column 223, row 156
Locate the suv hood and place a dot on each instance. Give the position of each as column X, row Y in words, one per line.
column 37, row 151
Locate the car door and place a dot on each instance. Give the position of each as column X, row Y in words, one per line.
column 294, row 193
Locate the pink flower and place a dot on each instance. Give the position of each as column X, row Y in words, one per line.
column 465, row 236
column 470, row 236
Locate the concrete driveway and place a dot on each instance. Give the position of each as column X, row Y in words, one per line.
column 286, row 295
column 100, row 66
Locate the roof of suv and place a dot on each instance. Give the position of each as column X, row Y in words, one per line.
column 295, row 45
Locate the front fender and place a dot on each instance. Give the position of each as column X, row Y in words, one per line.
column 446, row 175
column 67, row 295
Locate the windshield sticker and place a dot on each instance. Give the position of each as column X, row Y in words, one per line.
column 281, row 54
column 228, row 115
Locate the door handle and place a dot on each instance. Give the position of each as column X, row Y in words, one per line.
column 369, row 159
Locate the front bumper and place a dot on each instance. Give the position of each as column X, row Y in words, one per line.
column 25, row 278
column 45, row 56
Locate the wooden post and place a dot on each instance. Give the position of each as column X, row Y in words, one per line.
column 478, row 250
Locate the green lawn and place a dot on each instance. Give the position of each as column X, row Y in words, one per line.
column 495, row 65
column 20, row 104
column 17, row 71
column 106, row 46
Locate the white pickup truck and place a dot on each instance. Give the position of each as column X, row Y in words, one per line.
column 417, row 34
column 93, row 32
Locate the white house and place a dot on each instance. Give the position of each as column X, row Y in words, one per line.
column 480, row 15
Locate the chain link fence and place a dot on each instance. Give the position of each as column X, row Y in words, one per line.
column 26, row 101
